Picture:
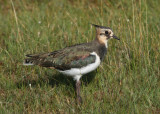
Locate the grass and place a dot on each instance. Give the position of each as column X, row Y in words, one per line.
column 128, row 80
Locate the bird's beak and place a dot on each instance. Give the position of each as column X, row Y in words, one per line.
column 115, row 37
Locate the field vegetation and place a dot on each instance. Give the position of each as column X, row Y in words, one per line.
column 128, row 80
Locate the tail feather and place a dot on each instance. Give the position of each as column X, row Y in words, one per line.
column 38, row 59
column 28, row 62
column 29, row 55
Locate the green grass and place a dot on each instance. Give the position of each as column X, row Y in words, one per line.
column 128, row 81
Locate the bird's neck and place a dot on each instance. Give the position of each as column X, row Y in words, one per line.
column 102, row 40
column 101, row 49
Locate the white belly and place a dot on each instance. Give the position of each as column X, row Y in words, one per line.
column 84, row 70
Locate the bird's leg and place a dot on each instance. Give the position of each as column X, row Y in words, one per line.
column 79, row 99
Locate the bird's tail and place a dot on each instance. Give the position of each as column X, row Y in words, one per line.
column 30, row 60
column 38, row 59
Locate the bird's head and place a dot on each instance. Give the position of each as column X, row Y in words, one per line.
column 103, row 34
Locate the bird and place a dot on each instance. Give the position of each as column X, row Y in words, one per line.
column 76, row 60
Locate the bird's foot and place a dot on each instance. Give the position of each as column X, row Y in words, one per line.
column 79, row 100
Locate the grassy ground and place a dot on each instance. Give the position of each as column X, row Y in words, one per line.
column 128, row 81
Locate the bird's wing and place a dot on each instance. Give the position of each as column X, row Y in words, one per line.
column 64, row 59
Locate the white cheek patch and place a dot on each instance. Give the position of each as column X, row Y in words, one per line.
column 111, row 33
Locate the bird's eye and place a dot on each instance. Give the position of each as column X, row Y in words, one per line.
column 106, row 32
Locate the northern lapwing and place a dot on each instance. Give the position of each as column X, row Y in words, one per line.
column 76, row 60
